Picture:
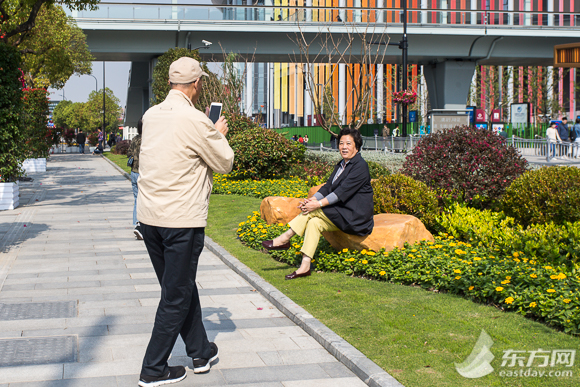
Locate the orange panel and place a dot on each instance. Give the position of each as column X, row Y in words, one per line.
column 348, row 92
column 335, row 91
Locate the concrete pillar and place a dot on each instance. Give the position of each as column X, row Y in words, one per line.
column 309, row 10
column 473, row 14
column 448, row 83
column 342, row 92
column 511, row 15
column 249, row 89
column 551, row 15
column 424, row 5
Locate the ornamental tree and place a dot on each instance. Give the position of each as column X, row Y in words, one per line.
column 19, row 17
column 12, row 153
column 466, row 163
column 54, row 50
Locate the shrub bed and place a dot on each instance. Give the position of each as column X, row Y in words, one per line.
column 548, row 243
column 550, row 194
column 400, row 194
column 515, row 283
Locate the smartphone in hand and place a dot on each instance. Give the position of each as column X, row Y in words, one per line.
column 215, row 111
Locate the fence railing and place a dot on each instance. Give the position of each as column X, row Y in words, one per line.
column 159, row 10
column 539, row 146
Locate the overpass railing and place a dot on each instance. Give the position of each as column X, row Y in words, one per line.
column 116, row 11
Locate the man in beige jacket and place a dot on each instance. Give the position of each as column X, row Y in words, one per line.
column 180, row 150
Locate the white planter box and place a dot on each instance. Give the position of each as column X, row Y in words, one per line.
column 72, row 149
column 8, row 196
column 92, row 149
column 34, row 165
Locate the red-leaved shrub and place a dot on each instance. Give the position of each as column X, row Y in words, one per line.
column 466, row 163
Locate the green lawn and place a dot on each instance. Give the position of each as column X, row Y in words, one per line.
column 120, row 160
column 413, row 334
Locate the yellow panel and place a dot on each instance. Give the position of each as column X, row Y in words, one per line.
column 284, row 87
column 276, row 85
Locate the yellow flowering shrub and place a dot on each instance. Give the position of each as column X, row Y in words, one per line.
column 548, row 293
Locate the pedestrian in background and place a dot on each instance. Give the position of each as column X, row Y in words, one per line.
column 101, row 139
column 575, row 133
column 133, row 152
column 181, row 148
column 554, row 137
column 81, row 139
column 305, row 139
column 564, row 134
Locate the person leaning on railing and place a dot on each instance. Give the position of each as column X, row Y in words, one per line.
column 553, row 137
column 575, row 133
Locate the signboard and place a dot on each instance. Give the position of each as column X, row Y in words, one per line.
column 447, row 121
column 471, row 112
column 497, row 127
column 567, row 55
column 413, row 116
column 496, row 115
column 520, row 113
column 480, row 115
column 481, row 126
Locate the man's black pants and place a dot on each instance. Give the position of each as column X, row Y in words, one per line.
column 174, row 253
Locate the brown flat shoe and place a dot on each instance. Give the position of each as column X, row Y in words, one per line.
column 269, row 245
column 296, row 275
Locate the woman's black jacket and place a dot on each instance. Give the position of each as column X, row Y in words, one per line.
column 353, row 213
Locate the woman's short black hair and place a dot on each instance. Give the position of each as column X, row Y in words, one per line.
column 355, row 134
column 140, row 126
column 578, row 120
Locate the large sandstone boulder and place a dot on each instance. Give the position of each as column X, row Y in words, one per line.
column 279, row 209
column 390, row 231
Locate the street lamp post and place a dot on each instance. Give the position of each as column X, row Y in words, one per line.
column 96, row 84
column 104, row 108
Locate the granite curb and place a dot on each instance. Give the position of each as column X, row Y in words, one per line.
column 368, row 371
column 125, row 174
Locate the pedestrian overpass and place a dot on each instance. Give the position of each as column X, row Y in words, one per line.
column 449, row 42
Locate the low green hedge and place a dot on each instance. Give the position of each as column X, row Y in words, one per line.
column 511, row 282
column 548, row 243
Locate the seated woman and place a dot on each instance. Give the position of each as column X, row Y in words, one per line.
column 344, row 203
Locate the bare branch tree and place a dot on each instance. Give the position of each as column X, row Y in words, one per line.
column 360, row 48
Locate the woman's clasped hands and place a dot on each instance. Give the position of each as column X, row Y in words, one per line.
column 309, row 205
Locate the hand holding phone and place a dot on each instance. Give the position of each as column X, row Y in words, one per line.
column 215, row 111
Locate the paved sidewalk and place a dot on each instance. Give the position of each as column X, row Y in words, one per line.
column 78, row 296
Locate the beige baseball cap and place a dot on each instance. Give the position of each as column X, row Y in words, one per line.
column 185, row 70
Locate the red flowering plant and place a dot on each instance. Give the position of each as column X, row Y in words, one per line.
column 465, row 163
column 406, row 97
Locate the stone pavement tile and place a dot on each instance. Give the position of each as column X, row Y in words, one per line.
column 131, row 329
column 306, row 342
column 68, row 273
column 32, row 293
column 85, row 305
column 140, row 281
column 133, row 295
column 303, row 356
column 212, row 378
column 266, row 333
column 130, row 310
column 10, row 334
column 100, row 290
column 336, row 370
column 97, row 369
column 20, row 325
column 148, row 288
column 31, row 373
column 67, row 285
column 266, row 384
column 83, row 331
column 274, row 373
column 107, row 381
column 337, row 382
column 132, row 352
